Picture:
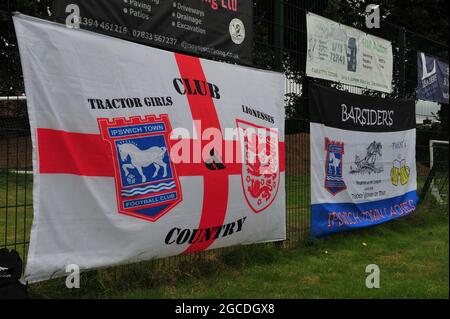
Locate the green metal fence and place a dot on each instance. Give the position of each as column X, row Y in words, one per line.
column 279, row 44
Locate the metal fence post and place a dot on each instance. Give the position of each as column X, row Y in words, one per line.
column 278, row 38
column 402, row 59
column 278, row 43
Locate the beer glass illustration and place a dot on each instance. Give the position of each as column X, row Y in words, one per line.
column 395, row 172
column 404, row 173
column 400, row 173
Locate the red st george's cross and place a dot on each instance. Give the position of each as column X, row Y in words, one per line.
column 63, row 152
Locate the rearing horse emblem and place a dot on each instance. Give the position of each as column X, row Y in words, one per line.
column 147, row 186
column 139, row 159
column 334, row 180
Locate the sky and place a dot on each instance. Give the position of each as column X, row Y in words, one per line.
column 425, row 109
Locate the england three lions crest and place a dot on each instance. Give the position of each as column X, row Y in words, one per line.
column 147, row 185
column 334, row 181
column 260, row 164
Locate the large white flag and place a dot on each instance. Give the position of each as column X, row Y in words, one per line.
column 140, row 153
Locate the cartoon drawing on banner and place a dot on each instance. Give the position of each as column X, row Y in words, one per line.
column 260, row 166
column 334, row 182
column 368, row 164
column 146, row 183
column 400, row 172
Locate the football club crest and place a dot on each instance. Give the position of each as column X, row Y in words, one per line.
column 147, row 186
column 334, row 182
column 260, row 164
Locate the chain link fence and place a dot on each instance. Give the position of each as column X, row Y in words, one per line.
column 279, row 44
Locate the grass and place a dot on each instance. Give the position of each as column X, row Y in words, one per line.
column 412, row 254
column 16, row 210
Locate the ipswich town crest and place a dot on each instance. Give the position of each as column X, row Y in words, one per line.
column 147, row 185
column 334, row 182
column 260, row 164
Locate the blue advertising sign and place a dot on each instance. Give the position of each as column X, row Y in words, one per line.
column 432, row 81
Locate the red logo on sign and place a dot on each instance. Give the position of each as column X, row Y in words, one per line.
column 260, row 165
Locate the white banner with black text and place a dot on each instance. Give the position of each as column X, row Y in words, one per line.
column 347, row 55
column 363, row 164
column 139, row 153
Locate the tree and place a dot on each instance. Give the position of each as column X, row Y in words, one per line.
column 11, row 82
